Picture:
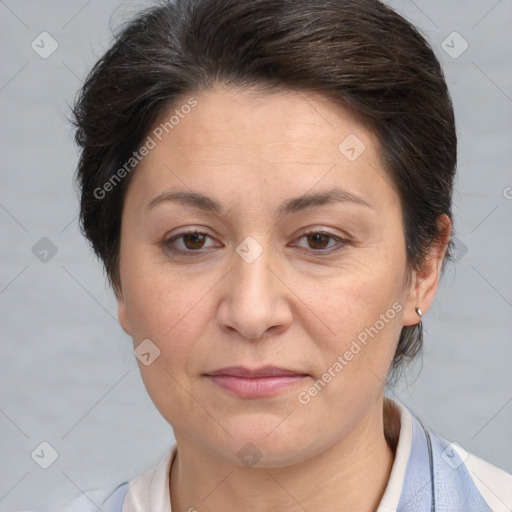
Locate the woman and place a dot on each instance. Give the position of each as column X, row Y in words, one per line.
column 268, row 184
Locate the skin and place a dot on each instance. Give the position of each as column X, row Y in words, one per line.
column 291, row 307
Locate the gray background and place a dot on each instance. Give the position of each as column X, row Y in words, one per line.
column 68, row 375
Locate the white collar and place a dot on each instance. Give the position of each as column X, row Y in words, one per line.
column 149, row 492
column 391, row 497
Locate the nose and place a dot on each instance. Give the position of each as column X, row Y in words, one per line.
column 255, row 302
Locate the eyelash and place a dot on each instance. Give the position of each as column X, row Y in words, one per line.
column 167, row 243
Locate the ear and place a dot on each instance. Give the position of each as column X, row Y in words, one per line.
column 424, row 280
column 122, row 312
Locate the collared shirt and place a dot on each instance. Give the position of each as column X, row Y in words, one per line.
column 428, row 474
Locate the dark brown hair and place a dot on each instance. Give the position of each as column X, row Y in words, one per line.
column 358, row 52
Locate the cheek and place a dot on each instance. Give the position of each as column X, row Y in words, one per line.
column 349, row 302
column 361, row 314
column 168, row 312
column 159, row 301
column 172, row 310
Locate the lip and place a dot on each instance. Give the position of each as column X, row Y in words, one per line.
column 255, row 383
column 263, row 371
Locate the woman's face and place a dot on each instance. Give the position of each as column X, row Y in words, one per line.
column 314, row 286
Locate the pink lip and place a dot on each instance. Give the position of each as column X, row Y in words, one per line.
column 256, row 383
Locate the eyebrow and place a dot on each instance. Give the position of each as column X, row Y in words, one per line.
column 292, row 205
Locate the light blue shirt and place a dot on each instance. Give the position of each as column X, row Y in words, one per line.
column 429, row 474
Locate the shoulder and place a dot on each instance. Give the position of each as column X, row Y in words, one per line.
column 430, row 470
column 145, row 488
column 468, row 480
column 106, row 500
column 492, row 483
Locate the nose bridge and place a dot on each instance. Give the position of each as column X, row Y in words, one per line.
column 252, row 276
column 254, row 301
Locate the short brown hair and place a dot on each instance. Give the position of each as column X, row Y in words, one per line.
column 358, row 52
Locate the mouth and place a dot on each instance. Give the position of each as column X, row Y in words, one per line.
column 255, row 383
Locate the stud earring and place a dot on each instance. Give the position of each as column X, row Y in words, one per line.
column 419, row 311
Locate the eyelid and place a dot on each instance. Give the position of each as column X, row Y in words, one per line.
column 168, row 240
column 341, row 241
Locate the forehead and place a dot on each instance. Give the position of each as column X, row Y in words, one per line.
column 232, row 122
column 286, row 139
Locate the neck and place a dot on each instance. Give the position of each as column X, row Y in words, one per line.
column 351, row 475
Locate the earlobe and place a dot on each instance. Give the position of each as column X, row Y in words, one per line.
column 426, row 278
column 122, row 314
column 411, row 316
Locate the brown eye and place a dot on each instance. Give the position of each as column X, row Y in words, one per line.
column 323, row 243
column 193, row 240
column 190, row 242
column 318, row 240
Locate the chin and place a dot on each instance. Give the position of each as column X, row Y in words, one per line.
column 264, row 442
column 271, row 454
